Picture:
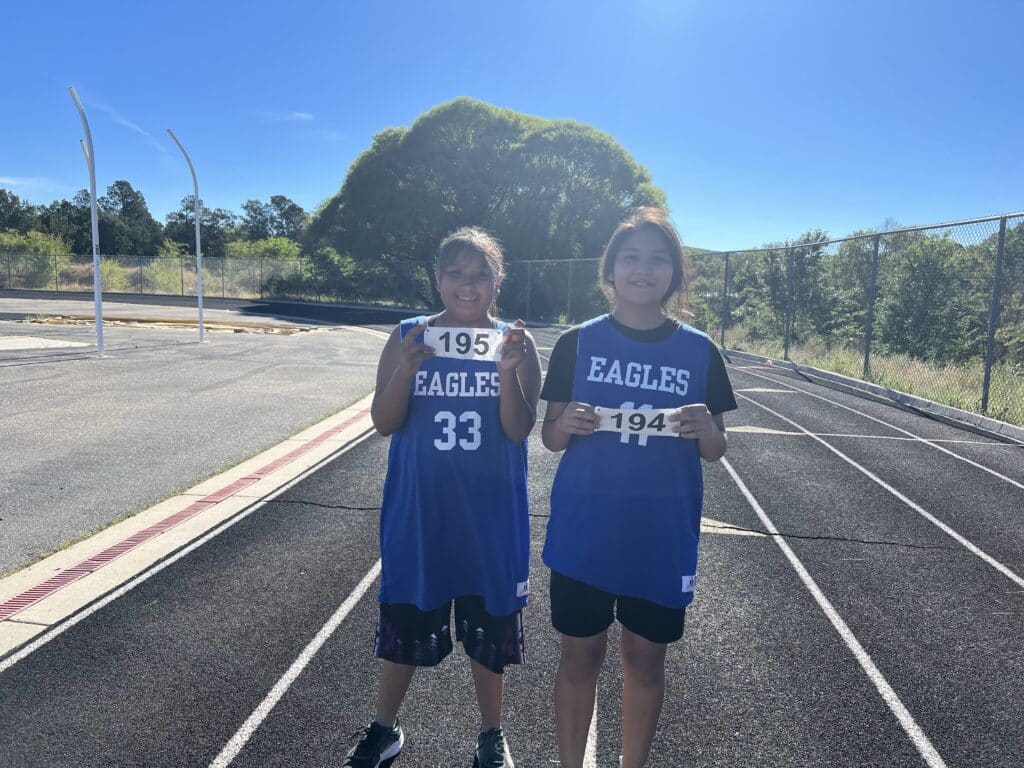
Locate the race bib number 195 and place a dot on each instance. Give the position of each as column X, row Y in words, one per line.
column 465, row 343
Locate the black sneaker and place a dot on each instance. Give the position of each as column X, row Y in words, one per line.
column 491, row 751
column 377, row 748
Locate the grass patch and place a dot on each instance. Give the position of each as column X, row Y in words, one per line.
column 956, row 385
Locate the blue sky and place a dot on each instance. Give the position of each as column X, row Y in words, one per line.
column 760, row 120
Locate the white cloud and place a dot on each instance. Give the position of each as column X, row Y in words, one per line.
column 287, row 117
column 118, row 118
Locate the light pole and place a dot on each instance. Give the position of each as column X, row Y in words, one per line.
column 199, row 252
column 90, row 161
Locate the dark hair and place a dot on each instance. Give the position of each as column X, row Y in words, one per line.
column 473, row 239
column 654, row 219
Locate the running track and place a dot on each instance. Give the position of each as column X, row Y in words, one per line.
column 878, row 623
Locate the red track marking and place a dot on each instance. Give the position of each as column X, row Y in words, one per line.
column 46, row 588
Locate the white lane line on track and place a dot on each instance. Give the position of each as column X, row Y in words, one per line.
column 749, row 429
column 590, row 753
column 972, row 548
column 65, row 625
column 896, row 706
column 242, row 736
column 925, row 440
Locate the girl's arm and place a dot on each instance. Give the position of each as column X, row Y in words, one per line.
column 697, row 423
column 563, row 420
column 398, row 364
column 519, row 377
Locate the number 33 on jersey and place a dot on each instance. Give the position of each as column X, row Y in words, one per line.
column 469, row 420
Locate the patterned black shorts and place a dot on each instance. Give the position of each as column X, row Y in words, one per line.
column 408, row 635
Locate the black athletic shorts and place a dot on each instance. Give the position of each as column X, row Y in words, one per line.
column 580, row 610
column 408, row 635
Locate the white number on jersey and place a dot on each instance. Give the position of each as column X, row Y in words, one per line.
column 449, row 439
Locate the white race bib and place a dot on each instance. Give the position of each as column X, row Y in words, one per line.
column 465, row 343
column 651, row 422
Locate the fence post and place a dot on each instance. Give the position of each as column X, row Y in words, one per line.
column 529, row 274
column 568, row 301
column 725, row 302
column 869, row 329
column 10, row 280
column 261, row 278
column 223, row 265
column 993, row 316
column 142, row 287
column 787, row 324
column 181, row 266
column 56, row 280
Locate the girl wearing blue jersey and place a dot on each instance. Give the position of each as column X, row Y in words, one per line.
column 625, row 508
column 454, row 517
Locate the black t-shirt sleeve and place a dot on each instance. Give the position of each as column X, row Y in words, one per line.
column 718, row 394
column 561, row 368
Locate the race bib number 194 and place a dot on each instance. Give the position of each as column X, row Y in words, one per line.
column 465, row 343
column 647, row 422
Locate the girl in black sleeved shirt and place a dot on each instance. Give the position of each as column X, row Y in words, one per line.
column 626, row 503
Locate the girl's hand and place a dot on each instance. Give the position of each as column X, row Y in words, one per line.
column 514, row 345
column 412, row 352
column 578, row 419
column 693, row 422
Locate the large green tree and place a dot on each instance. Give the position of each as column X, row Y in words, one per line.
column 127, row 227
column 216, row 227
column 281, row 217
column 70, row 221
column 255, row 221
column 16, row 214
column 549, row 189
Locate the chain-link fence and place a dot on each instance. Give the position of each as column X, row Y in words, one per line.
column 243, row 278
column 551, row 291
column 936, row 312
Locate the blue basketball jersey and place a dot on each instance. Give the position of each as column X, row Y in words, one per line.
column 455, row 513
column 625, row 509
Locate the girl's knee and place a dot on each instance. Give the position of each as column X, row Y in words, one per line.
column 582, row 658
column 643, row 662
column 644, row 670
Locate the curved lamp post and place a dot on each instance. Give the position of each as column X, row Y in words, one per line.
column 90, row 161
column 199, row 253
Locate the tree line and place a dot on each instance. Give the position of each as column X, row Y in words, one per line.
column 127, row 228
